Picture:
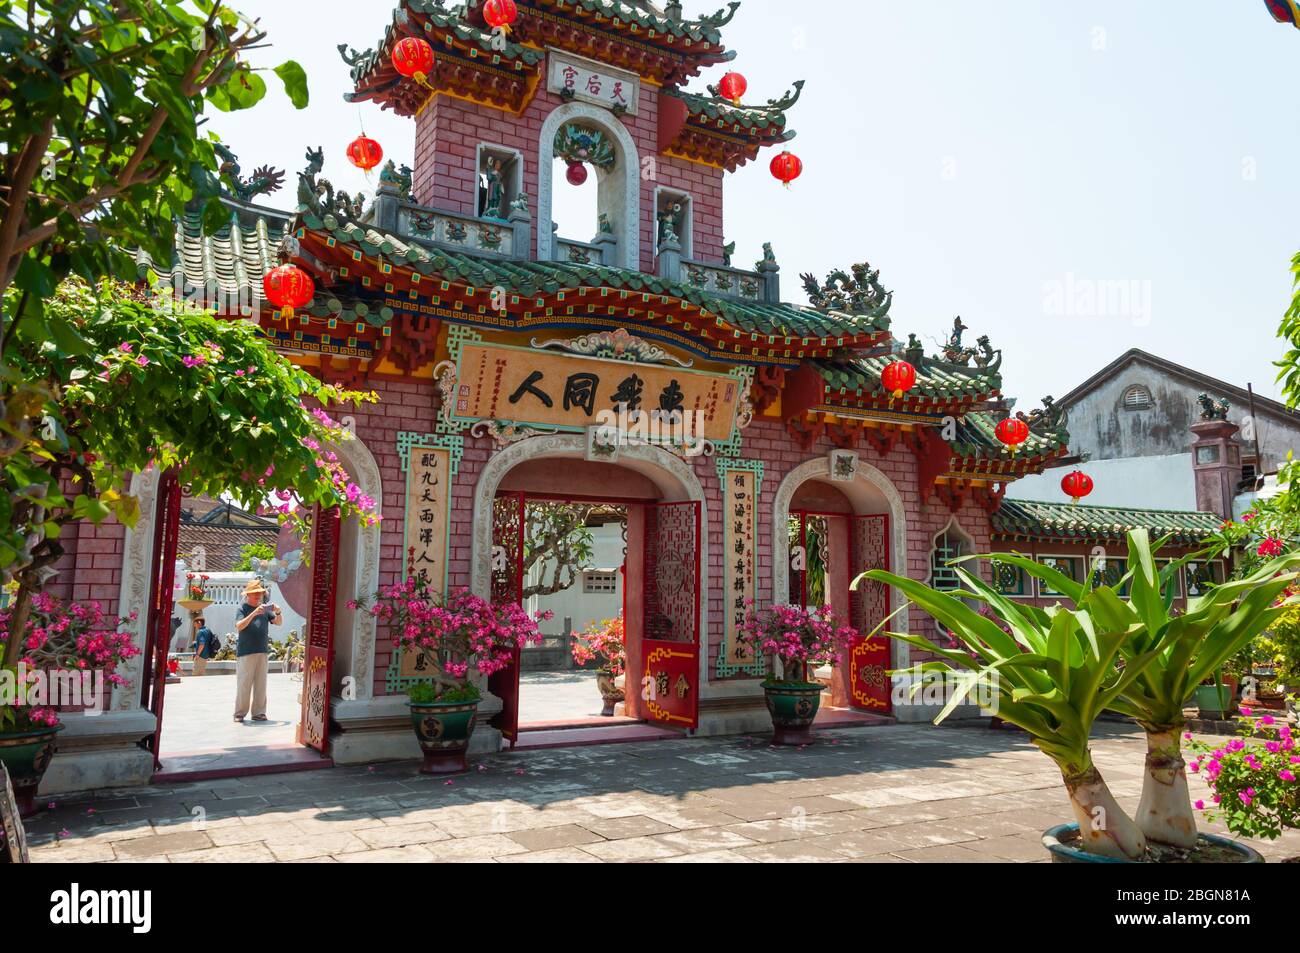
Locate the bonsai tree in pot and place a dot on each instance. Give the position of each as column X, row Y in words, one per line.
column 455, row 640
column 795, row 641
column 69, row 655
column 604, row 643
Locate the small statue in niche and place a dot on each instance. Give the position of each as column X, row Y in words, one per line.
column 603, row 224
column 494, row 188
column 728, row 250
column 670, row 221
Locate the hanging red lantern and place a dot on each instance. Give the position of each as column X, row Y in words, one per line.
column 288, row 288
column 1076, row 485
column 1013, row 432
column 733, row 87
column 898, row 377
column 365, row 153
column 500, row 14
column 576, row 174
column 787, row 167
column 413, row 58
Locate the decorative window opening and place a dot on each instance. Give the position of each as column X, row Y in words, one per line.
column 1202, row 576
column 1137, row 397
column 948, row 545
column 1010, row 580
column 580, row 149
column 599, row 582
column 500, row 180
column 1070, row 566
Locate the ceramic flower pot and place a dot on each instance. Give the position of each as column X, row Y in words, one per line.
column 610, row 693
column 443, row 730
column 26, row 755
column 793, row 706
column 1213, row 702
column 1060, row 839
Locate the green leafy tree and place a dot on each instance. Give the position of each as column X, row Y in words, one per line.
column 251, row 551
column 157, row 383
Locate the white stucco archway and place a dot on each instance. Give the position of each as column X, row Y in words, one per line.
column 674, row 477
column 628, row 224
column 863, row 491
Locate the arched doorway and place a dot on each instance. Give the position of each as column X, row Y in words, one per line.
column 663, row 575
column 569, row 130
column 837, row 526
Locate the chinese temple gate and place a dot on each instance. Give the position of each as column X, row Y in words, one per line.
column 747, row 436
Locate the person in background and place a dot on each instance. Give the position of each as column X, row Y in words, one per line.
column 253, row 622
column 206, row 646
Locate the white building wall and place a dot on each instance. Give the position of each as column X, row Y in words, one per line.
column 1157, row 483
column 584, row 608
column 226, row 590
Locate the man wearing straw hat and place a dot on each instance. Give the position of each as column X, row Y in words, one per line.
column 253, row 622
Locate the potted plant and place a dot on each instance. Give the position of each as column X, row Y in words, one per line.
column 795, row 641
column 65, row 646
column 605, row 644
column 1062, row 666
column 454, row 640
column 196, row 593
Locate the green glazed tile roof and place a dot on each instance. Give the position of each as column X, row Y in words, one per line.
column 976, row 438
column 231, row 262
column 647, row 17
column 940, row 383
column 1071, row 522
column 761, row 118
column 530, row 278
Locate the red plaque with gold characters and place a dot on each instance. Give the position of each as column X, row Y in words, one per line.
column 869, row 682
column 669, row 684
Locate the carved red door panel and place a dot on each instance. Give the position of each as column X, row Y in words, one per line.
column 671, row 642
column 507, row 586
column 162, row 581
column 869, row 658
column 318, row 657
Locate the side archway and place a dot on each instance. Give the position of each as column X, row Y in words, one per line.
column 357, row 575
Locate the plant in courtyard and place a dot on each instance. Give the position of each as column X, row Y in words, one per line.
column 452, row 638
column 1255, row 785
column 604, row 643
column 196, row 586
column 1051, row 674
column 795, row 640
column 250, row 551
column 60, row 637
column 174, row 388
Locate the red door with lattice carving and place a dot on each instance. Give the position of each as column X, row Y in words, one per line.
column 670, row 644
column 508, row 521
column 162, row 581
column 869, row 661
column 318, row 657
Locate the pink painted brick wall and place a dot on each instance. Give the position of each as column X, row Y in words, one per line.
column 449, row 132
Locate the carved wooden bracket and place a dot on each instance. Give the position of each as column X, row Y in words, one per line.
column 768, row 382
column 805, row 435
column 844, row 436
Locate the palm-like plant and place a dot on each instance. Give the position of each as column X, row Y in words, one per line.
column 1052, row 675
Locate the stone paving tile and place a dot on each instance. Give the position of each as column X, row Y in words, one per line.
column 690, row 818
column 142, row 847
column 791, row 852
column 620, row 828
column 554, row 838
column 484, row 847
column 947, row 854
column 1018, row 849
column 294, row 846
column 235, row 854
column 708, row 857
column 401, row 836
column 794, row 828
column 416, row 853
column 702, row 839
column 630, row 849
column 559, row 855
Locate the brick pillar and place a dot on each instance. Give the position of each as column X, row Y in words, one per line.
column 1216, row 465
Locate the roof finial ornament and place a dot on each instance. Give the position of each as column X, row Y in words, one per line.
column 1212, row 409
column 263, row 180
column 861, row 293
column 673, row 10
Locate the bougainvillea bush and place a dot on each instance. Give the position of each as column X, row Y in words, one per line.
column 800, row 639
column 61, row 637
column 454, row 637
column 1255, row 785
column 604, row 643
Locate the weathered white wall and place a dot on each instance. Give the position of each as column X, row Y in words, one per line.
column 1157, row 483
column 573, row 603
column 226, row 589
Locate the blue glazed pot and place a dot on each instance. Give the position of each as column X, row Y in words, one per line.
column 1056, row 841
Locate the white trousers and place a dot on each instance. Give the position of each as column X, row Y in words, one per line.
column 250, row 685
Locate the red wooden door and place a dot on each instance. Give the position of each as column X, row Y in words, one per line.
column 869, row 685
column 671, row 631
column 318, row 656
column 507, row 586
column 162, row 580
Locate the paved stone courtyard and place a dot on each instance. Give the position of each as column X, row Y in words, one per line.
column 894, row 794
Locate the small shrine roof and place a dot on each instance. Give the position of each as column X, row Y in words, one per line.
column 714, row 130
column 1067, row 522
column 231, row 262
column 976, row 439
column 932, row 381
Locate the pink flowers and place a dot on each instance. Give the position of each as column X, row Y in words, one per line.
column 1253, row 782
column 802, row 639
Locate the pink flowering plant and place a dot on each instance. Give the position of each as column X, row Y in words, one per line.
column 1254, row 784
column 60, row 638
column 453, row 637
column 795, row 640
column 604, row 643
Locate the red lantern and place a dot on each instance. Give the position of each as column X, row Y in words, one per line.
column 577, row 173
column 1076, row 485
column 288, row 287
column 733, row 87
column 898, row 377
column 413, row 58
column 500, row 14
column 787, row 167
column 365, row 153
column 1013, row 432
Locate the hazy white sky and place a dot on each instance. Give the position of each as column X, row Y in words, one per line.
column 1001, row 160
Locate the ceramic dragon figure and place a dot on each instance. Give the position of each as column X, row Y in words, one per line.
column 858, row 293
column 263, row 181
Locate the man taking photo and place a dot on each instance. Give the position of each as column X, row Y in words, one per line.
column 253, row 623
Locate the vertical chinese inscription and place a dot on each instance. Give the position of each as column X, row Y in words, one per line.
column 740, row 493
column 428, row 499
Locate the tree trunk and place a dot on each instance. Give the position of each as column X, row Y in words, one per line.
column 1104, row 828
column 22, row 609
column 1165, row 811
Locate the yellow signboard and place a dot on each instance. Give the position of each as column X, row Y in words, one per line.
column 739, row 554
column 574, row 392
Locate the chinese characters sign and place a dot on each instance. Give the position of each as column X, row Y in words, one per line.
column 740, row 571
column 428, row 497
column 593, row 82
column 567, row 392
